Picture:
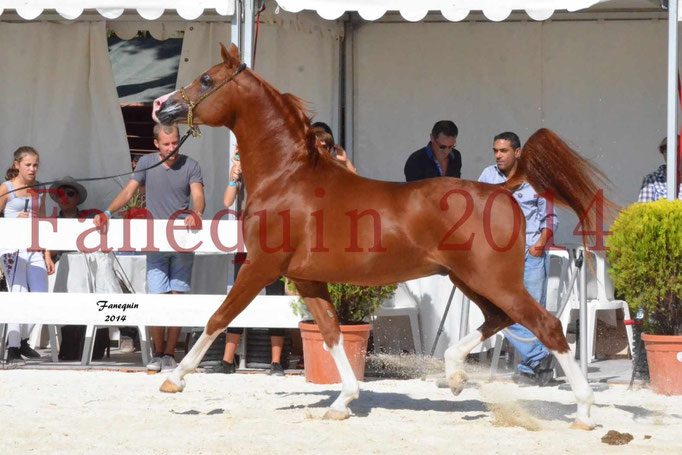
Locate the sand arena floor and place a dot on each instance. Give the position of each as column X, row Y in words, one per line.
column 104, row 412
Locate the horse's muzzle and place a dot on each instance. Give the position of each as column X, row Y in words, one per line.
column 168, row 111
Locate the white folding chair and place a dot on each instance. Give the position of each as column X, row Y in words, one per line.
column 599, row 290
column 403, row 304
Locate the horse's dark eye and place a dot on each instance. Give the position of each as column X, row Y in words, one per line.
column 206, row 80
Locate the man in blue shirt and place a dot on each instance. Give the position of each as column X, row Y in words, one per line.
column 536, row 362
column 439, row 157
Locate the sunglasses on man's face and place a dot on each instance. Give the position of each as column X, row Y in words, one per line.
column 443, row 147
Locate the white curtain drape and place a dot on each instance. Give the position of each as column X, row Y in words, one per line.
column 58, row 95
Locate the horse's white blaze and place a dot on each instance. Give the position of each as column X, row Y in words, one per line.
column 582, row 390
column 350, row 388
column 456, row 354
column 193, row 357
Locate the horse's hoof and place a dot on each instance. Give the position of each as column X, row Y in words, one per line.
column 457, row 381
column 169, row 386
column 577, row 425
column 333, row 414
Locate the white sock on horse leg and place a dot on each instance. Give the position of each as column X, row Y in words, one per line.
column 582, row 390
column 457, row 353
column 350, row 388
column 194, row 356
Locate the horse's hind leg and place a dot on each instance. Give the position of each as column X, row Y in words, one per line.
column 495, row 320
column 318, row 301
column 523, row 309
column 245, row 289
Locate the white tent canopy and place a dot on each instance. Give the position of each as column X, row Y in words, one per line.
column 112, row 9
column 452, row 10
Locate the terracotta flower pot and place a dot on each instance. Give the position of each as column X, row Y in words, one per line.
column 664, row 354
column 319, row 364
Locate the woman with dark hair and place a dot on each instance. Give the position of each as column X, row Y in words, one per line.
column 324, row 134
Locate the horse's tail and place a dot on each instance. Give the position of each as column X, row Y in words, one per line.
column 551, row 166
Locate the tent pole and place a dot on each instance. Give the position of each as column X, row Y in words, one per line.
column 348, row 89
column 247, row 44
column 235, row 38
column 672, row 101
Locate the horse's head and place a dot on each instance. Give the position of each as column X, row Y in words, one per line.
column 187, row 104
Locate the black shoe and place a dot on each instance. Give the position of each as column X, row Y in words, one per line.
column 545, row 370
column 525, row 379
column 223, row 367
column 27, row 351
column 14, row 357
column 276, row 369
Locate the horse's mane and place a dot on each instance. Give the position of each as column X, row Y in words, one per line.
column 310, row 139
column 299, row 110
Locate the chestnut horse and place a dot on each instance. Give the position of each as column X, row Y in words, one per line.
column 308, row 218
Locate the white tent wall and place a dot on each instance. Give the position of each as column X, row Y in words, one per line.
column 58, row 95
column 299, row 54
column 600, row 85
column 608, row 99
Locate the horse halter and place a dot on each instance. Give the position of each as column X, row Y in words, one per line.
column 191, row 105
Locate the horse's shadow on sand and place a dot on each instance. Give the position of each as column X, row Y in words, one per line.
column 540, row 409
column 392, row 401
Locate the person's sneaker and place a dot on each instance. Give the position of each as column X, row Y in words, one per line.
column 155, row 364
column 545, row 370
column 223, row 367
column 27, row 351
column 276, row 369
column 525, row 379
column 168, row 363
column 14, row 357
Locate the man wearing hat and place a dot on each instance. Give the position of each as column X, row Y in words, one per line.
column 654, row 185
column 68, row 194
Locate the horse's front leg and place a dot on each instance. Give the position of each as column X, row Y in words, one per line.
column 318, row 301
column 245, row 289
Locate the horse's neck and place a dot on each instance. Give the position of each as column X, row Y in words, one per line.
column 266, row 162
column 271, row 142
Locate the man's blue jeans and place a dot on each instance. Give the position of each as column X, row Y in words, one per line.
column 535, row 280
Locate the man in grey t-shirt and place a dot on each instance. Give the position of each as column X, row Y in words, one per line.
column 168, row 190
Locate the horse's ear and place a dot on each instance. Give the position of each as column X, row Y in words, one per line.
column 230, row 57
